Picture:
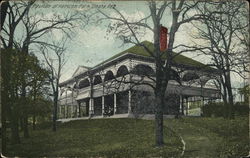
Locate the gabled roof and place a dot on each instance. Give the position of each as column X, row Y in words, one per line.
column 80, row 69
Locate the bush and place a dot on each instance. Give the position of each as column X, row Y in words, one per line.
column 213, row 109
column 220, row 109
column 241, row 109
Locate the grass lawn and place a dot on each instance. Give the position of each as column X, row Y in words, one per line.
column 213, row 137
column 98, row 138
column 204, row 137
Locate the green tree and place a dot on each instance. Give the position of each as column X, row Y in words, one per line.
column 20, row 70
column 9, row 80
column 39, row 90
column 19, row 14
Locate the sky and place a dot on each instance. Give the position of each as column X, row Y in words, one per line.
column 91, row 45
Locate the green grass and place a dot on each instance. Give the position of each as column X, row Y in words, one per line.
column 235, row 134
column 213, row 137
column 204, row 137
column 98, row 138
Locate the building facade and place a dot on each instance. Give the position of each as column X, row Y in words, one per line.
column 122, row 85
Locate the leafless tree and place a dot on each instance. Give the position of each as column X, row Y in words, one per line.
column 15, row 13
column 33, row 30
column 221, row 32
column 55, row 60
column 131, row 31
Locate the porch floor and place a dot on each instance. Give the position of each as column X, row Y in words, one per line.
column 93, row 117
column 146, row 117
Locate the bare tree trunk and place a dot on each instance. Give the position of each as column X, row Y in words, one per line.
column 230, row 96
column 55, row 112
column 79, row 109
column 159, row 96
column 11, row 39
column 159, row 120
column 224, row 97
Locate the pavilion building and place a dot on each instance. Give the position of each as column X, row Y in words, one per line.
column 122, row 85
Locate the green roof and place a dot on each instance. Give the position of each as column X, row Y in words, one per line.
column 138, row 50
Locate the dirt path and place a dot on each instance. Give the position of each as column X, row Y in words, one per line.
column 199, row 142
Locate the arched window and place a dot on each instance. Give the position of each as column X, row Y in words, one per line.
column 84, row 83
column 109, row 76
column 97, row 80
column 190, row 76
column 143, row 70
column 212, row 83
column 122, row 71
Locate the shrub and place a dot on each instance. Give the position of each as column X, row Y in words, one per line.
column 214, row 109
column 241, row 109
column 220, row 109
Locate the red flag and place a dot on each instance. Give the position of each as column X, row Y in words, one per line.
column 163, row 38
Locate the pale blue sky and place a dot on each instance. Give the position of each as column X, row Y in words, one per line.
column 89, row 46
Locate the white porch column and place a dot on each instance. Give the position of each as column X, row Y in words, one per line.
column 180, row 109
column 129, row 101
column 72, row 111
column 103, row 104
column 69, row 111
column 115, row 103
column 78, row 109
column 65, row 111
column 187, row 107
column 91, row 106
column 66, row 105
